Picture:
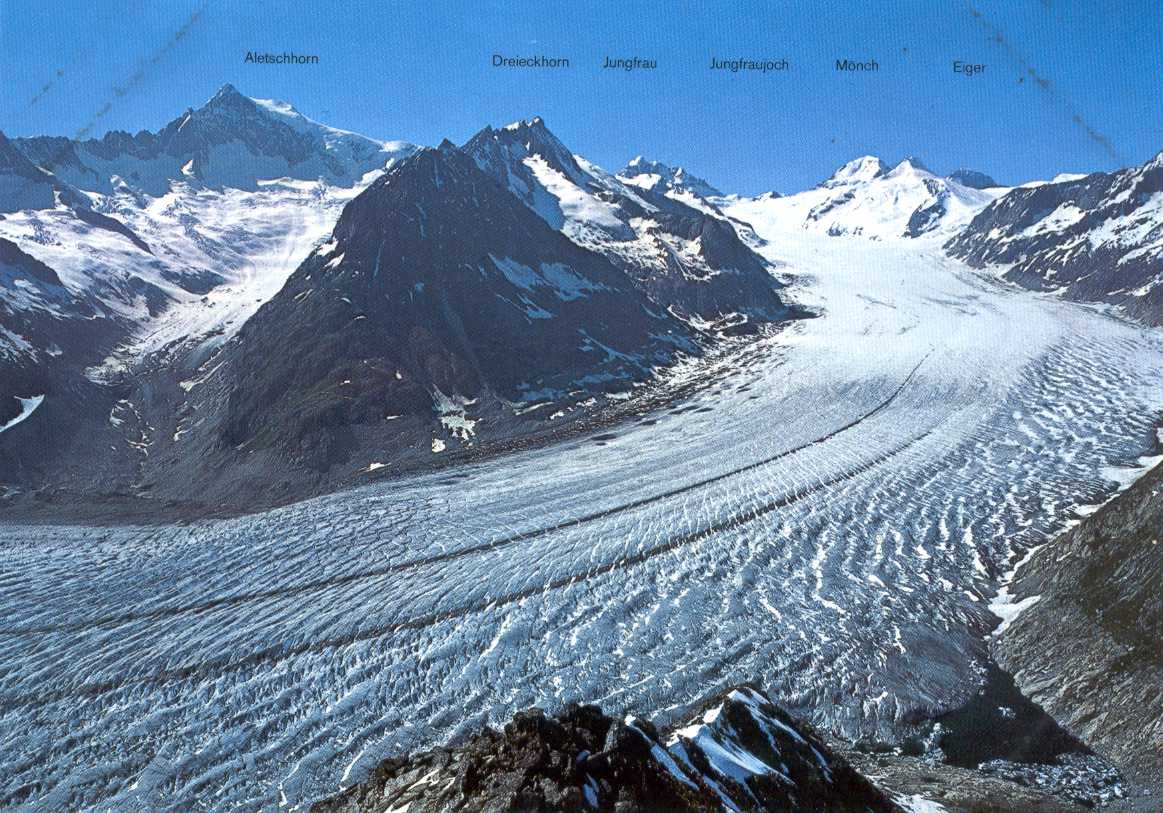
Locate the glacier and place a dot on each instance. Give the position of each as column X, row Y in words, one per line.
column 829, row 516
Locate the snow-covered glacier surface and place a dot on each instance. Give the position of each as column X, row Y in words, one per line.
column 830, row 519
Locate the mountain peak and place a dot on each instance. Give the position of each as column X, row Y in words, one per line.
column 911, row 162
column 972, row 178
column 858, row 170
column 425, row 172
column 672, row 177
column 32, row 187
column 522, row 139
column 228, row 96
column 536, row 124
column 640, row 165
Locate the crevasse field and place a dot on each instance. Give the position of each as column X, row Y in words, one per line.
column 832, row 518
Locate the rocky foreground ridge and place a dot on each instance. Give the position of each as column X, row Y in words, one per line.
column 743, row 753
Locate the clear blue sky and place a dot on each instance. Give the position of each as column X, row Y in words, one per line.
column 421, row 71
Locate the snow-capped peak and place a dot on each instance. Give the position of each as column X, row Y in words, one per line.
column 865, row 199
column 913, row 163
column 1154, row 163
column 662, row 232
column 651, row 174
column 231, row 141
column 525, row 124
column 519, row 141
column 291, row 116
column 911, row 168
column 859, row 170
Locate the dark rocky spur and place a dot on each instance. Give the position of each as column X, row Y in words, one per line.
column 741, row 753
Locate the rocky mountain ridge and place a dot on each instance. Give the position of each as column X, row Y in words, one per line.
column 438, row 289
column 230, row 141
column 652, row 174
column 1085, row 645
column 1095, row 238
column 677, row 246
column 743, row 753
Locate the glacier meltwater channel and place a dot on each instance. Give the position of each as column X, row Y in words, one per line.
column 829, row 520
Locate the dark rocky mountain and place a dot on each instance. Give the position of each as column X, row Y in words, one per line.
column 1098, row 238
column 680, row 249
column 23, row 185
column 49, row 334
column 438, row 290
column 231, row 141
column 443, row 305
column 1087, row 646
column 125, row 260
column 653, row 174
column 972, row 178
column 33, row 303
column 742, row 753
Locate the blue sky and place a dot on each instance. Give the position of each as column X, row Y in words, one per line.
column 421, row 71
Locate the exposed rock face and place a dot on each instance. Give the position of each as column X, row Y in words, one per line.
column 743, row 754
column 438, row 285
column 33, row 304
column 48, row 334
column 928, row 215
column 1088, row 649
column 23, row 185
column 1098, row 238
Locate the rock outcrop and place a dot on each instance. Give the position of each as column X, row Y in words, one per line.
column 743, row 753
column 1087, row 646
